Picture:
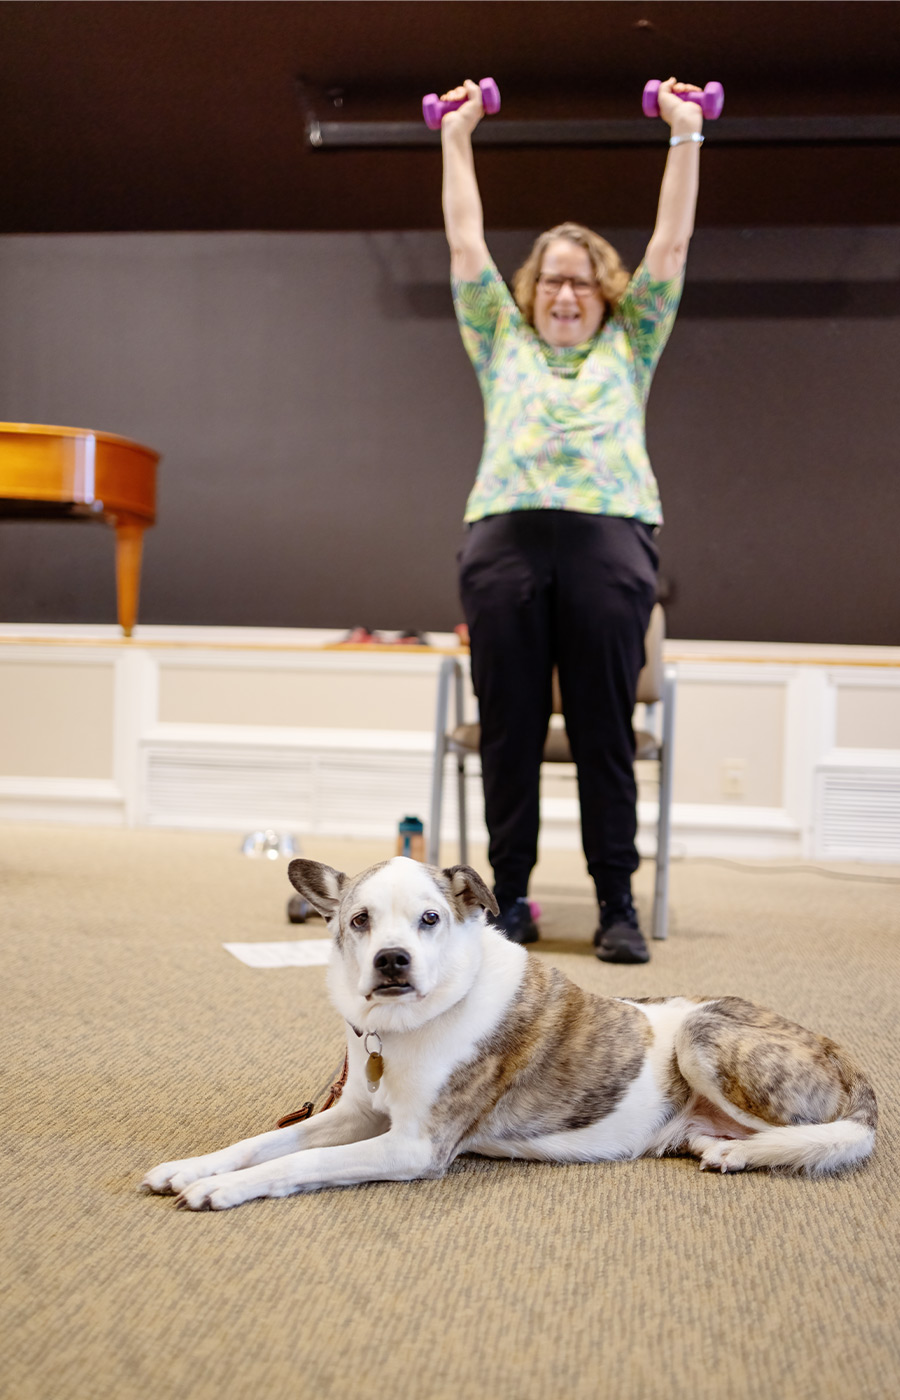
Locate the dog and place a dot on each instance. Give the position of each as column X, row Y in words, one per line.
column 459, row 1041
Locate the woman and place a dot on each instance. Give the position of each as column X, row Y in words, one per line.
column 559, row 563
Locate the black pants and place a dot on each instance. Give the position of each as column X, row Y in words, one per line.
column 545, row 588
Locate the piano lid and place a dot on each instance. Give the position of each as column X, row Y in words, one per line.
column 43, row 465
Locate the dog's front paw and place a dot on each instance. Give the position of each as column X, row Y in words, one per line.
column 212, row 1193
column 724, row 1155
column 170, row 1178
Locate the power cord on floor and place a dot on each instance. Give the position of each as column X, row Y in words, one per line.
column 564, row 891
column 756, row 869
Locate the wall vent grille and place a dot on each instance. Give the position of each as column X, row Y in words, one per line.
column 858, row 814
column 335, row 792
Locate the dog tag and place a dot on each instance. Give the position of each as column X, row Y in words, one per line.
column 374, row 1071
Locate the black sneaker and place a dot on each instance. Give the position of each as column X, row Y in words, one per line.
column 298, row 910
column 619, row 938
column 515, row 922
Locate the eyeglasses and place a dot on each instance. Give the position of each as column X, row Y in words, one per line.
column 581, row 286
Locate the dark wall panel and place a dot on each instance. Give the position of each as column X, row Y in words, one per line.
column 320, row 427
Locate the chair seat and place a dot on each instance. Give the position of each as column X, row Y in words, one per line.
column 466, row 739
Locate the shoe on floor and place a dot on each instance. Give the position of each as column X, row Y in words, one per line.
column 359, row 636
column 516, row 923
column 619, row 938
column 298, row 910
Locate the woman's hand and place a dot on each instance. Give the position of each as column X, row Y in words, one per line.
column 681, row 116
column 464, row 118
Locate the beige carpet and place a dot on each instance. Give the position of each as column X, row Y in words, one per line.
column 130, row 1036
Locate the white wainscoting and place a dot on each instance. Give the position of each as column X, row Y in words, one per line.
column 822, row 801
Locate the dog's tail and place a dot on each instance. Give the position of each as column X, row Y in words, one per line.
column 853, row 1134
column 821, row 1148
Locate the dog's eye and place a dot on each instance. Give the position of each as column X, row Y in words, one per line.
column 430, row 918
column 360, row 920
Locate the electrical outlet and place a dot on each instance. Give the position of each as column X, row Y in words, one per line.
column 734, row 777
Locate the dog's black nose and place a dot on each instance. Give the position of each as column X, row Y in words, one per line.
column 390, row 961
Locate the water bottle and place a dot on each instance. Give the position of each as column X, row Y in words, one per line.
column 411, row 839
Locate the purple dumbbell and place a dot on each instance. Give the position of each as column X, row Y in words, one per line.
column 433, row 109
column 710, row 100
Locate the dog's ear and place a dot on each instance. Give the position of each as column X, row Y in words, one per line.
column 469, row 888
column 318, row 883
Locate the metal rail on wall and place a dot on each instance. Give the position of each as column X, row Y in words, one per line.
column 863, row 130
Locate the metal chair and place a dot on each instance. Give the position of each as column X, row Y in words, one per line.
column 654, row 741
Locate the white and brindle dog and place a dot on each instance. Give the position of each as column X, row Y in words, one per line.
column 458, row 1041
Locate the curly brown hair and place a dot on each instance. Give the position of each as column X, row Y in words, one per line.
column 612, row 276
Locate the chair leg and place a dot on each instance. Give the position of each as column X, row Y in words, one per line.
column 461, row 807
column 440, row 750
column 461, row 773
column 661, row 889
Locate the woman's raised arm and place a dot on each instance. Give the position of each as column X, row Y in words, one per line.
column 463, row 218
column 667, row 250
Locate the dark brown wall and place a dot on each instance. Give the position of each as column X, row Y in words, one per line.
column 153, row 116
column 320, row 427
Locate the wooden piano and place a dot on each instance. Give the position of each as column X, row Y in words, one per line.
column 74, row 474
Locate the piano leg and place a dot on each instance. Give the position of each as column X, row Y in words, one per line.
column 129, row 547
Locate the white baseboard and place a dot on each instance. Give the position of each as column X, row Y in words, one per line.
column 75, row 801
column 698, row 829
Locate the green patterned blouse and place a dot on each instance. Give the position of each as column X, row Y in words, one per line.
column 564, row 428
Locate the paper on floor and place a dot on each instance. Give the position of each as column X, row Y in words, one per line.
column 304, row 952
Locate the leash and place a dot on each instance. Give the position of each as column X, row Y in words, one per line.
column 332, row 1090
